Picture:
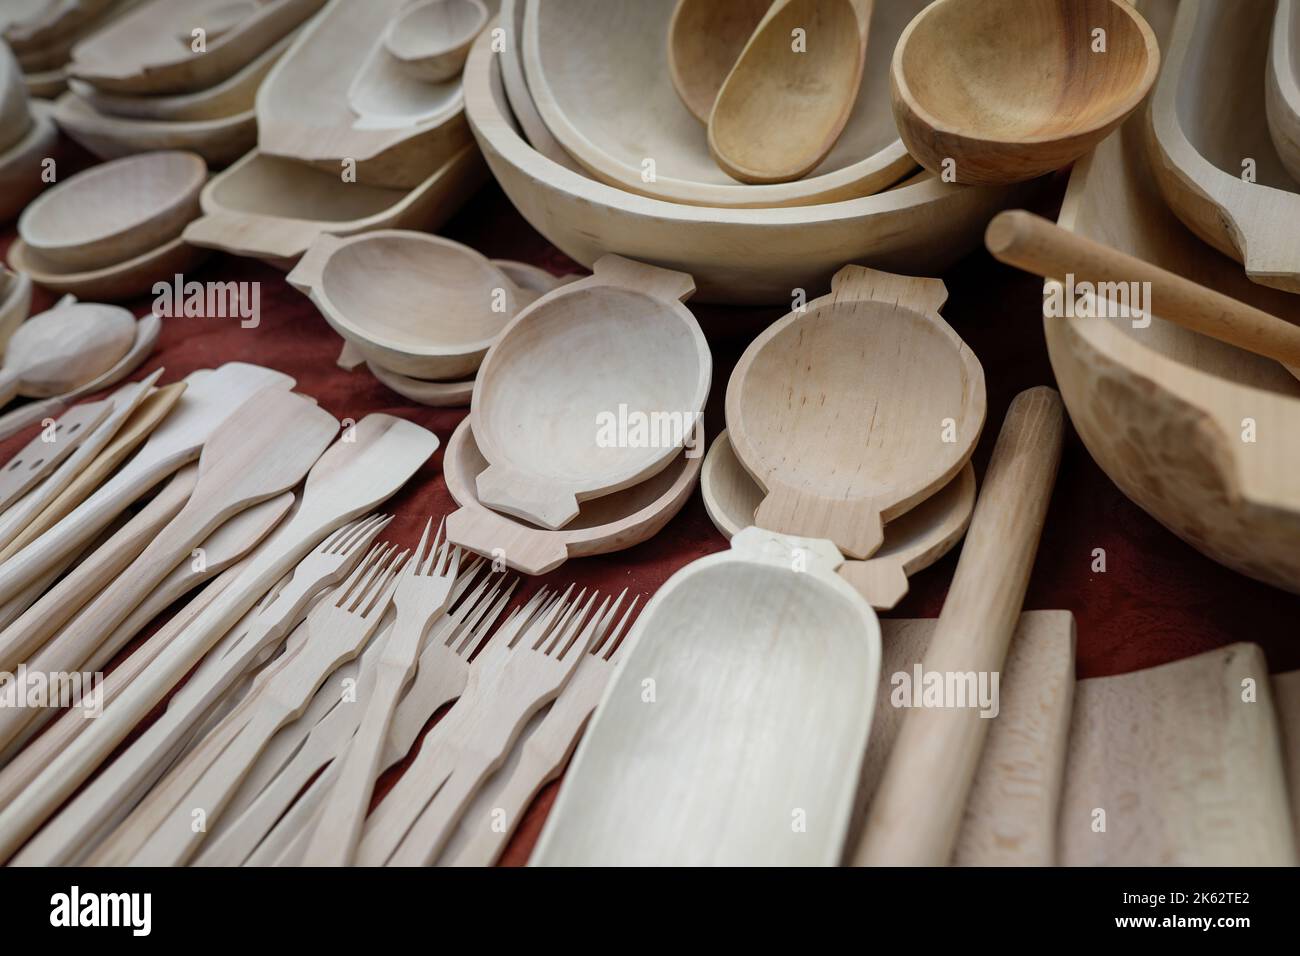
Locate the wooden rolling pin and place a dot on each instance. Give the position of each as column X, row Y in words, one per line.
column 1043, row 248
column 917, row 810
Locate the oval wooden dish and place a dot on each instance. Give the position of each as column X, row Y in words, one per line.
column 403, row 128
column 1201, row 157
column 765, row 681
column 850, row 412
column 616, row 347
column 21, row 166
column 433, row 394
column 606, row 93
column 219, row 141
column 739, row 256
column 1282, row 98
column 150, row 49
column 611, row 523
column 431, row 39
column 115, row 211
column 1005, row 105
column 410, row 302
column 1162, row 409
column 274, row 209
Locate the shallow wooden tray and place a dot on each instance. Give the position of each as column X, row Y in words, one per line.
column 1162, row 409
column 219, row 141
column 741, row 256
column 606, row 94
column 121, row 280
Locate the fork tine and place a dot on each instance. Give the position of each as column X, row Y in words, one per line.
column 564, row 639
column 558, row 623
column 361, row 576
column 427, row 558
column 381, row 592
column 603, row 634
column 451, row 624
column 413, row 568
column 358, row 533
column 556, row 611
column 451, row 562
column 618, row 635
column 486, row 622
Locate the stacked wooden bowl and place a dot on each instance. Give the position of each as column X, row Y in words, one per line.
column 26, row 137
column 42, row 34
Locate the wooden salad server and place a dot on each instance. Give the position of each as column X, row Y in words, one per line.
column 40, row 456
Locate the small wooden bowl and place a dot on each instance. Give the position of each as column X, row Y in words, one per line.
column 21, row 166
column 112, row 283
column 410, row 302
column 1008, row 90
column 114, row 212
column 15, row 117
column 431, row 40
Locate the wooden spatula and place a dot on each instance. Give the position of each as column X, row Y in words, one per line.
column 42, row 454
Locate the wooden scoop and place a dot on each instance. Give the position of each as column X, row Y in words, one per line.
column 705, row 38
column 784, row 105
column 431, row 40
column 1045, row 249
column 59, row 350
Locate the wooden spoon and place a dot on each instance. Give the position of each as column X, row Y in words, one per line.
column 980, row 102
column 62, row 349
column 1043, row 248
column 431, row 40
column 705, row 38
column 783, row 106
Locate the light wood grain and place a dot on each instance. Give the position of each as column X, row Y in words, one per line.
column 1282, row 94
column 1166, row 413
column 1200, row 154
column 912, row 821
column 15, row 115
column 15, row 303
column 64, row 348
column 607, row 96
column 522, row 106
column 112, row 283
column 390, row 322
column 1286, row 693
column 149, row 49
column 40, row 456
column 739, row 747
column 431, row 39
column 704, row 41
column 1185, row 769
column 650, row 360
column 20, row 167
column 795, row 408
column 435, row 394
column 997, row 105
column 36, row 24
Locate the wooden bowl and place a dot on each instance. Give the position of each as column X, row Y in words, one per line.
column 274, row 209
column 410, row 302
column 433, row 394
column 612, row 523
column 35, row 24
column 112, row 283
column 149, row 49
column 737, row 256
column 1162, row 409
column 1200, row 154
column 613, row 347
column 1282, row 99
column 1008, row 90
column 114, row 212
column 15, row 118
column 15, row 303
column 21, row 167
column 432, row 39
column 606, row 93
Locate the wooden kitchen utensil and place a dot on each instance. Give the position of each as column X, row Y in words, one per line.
column 607, row 96
column 1218, row 168
column 218, row 141
column 39, row 457
column 62, row 349
column 606, row 524
column 704, row 41
column 383, row 95
column 431, row 39
column 737, row 256
column 303, row 107
column 913, row 541
column 516, row 87
column 152, row 49
column 15, row 303
column 275, row 208
column 780, row 112
column 147, row 330
column 1282, row 95
column 115, row 211
column 650, row 359
column 228, row 98
column 1181, row 765
column 1286, row 694
column 984, row 104
column 796, row 401
column 911, row 820
column 21, row 167
column 745, row 768
column 1162, row 409
column 209, row 399
column 435, row 394
column 391, row 322
column 1039, row 246
column 350, row 479
column 262, row 449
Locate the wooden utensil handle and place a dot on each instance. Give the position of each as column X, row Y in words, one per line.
column 11, row 423
column 859, row 283
column 918, row 807
column 226, row 230
column 310, row 270
column 534, row 499
column 854, row 526
column 1043, row 248
column 652, row 280
column 525, row 549
column 882, row 581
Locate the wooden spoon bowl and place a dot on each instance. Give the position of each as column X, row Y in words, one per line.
column 850, row 413
column 431, row 40
column 1008, row 90
column 62, row 349
column 704, row 39
column 116, row 211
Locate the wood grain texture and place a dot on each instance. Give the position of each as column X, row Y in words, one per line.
column 1187, row 772
column 913, row 822
column 1006, row 105
column 1286, row 693
column 704, row 40
column 431, row 38
column 1282, row 94
column 15, row 303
